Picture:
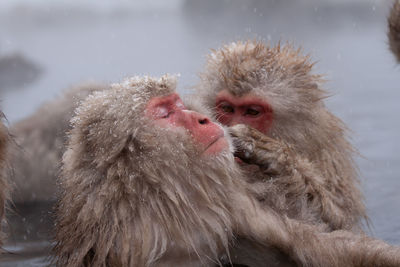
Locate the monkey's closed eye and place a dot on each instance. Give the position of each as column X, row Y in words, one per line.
column 179, row 104
column 162, row 112
column 166, row 116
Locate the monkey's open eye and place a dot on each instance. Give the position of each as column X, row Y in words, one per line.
column 253, row 111
column 227, row 108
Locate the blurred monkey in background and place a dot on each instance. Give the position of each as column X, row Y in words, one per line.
column 4, row 184
column 39, row 145
column 394, row 29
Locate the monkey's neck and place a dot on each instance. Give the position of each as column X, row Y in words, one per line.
column 191, row 206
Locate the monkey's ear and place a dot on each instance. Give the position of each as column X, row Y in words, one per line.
column 130, row 144
column 104, row 151
column 118, row 148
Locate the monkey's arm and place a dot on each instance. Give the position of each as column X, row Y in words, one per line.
column 294, row 178
column 253, row 147
column 339, row 248
column 305, row 244
column 394, row 29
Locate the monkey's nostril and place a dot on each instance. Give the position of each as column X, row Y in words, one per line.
column 203, row 121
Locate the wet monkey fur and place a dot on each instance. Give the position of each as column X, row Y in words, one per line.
column 305, row 165
column 147, row 182
column 127, row 184
column 394, row 29
column 4, row 183
column 35, row 156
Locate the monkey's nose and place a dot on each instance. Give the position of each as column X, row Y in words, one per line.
column 196, row 118
column 204, row 121
column 200, row 118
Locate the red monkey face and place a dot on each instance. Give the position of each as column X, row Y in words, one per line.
column 247, row 109
column 169, row 112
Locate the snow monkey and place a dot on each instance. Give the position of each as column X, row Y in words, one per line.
column 305, row 165
column 4, row 188
column 147, row 182
column 394, row 29
column 39, row 145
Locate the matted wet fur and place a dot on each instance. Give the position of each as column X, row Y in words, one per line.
column 128, row 190
column 39, row 144
column 394, row 29
column 4, row 185
column 135, row 194
column 311, row 175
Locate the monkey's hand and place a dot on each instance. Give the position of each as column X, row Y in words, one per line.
column 253, row 147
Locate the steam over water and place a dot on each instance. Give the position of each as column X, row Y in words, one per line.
column 59, row 45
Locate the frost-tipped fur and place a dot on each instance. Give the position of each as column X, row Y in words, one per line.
column 129, row 197
column 394, row 29
column 283, row 77
column 39, row 145
column 4, row 184
column 135, row 194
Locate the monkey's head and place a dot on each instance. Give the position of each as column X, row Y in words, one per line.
column 271, row 89
column 142, row 118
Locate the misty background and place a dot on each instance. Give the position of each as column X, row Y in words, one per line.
column 48, row 46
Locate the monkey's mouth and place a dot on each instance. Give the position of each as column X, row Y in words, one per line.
column 217, row 145
column 238, row 160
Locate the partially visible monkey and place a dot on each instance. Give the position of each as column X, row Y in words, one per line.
column 4, row 185
column 394, row 29
column 147, row 182
column 306, row 169
column 39, row 145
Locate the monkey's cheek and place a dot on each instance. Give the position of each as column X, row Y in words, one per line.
column 217, row 147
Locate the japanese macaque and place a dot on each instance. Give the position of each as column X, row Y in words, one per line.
column 394, row 29
column 147, row 182
column 304, row 163
column 4, row 187
column 39, row 145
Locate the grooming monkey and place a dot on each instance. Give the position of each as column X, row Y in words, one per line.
column 394, row 29
column 147, row 182
column 305, row 165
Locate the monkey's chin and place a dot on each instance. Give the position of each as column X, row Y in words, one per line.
column 218, row 146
